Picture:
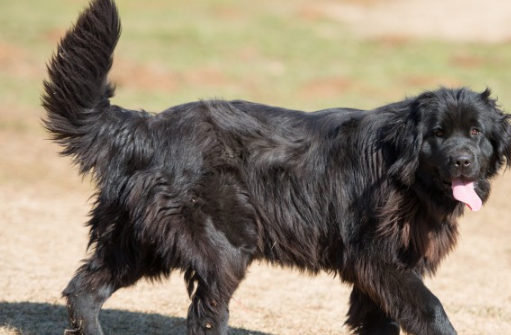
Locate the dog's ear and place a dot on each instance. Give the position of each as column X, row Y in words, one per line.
column 500, row 135
column 404, row 135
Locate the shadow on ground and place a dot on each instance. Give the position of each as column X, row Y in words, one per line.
column 27, row 318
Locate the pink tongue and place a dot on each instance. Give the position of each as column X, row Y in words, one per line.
column 464, row 192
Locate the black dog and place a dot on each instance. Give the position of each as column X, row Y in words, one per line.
column 208, row 187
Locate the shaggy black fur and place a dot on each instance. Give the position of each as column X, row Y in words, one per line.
column 207, row 187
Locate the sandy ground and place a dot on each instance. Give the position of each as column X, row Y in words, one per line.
column 43, row 205
column 457, row 20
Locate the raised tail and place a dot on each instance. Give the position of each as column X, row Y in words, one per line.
column 76, row 95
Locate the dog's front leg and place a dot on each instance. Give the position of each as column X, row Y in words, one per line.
column 365, row 317
column 405, row 298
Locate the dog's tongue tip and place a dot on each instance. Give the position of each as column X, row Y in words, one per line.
column 465, row 192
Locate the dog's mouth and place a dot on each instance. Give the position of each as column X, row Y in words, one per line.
column 463, row 190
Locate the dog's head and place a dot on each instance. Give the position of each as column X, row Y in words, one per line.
column 452, row 141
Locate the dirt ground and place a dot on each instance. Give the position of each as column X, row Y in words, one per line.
column 43, row 205
column 456, row 20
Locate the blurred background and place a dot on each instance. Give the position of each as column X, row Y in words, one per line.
column 297, row 54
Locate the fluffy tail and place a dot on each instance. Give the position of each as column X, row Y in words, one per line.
column 76, row 96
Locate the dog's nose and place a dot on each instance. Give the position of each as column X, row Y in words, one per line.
column 462, row 161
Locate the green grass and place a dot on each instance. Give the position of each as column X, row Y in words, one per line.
column 264, row 51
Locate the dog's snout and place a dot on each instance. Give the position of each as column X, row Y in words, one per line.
column 462, row 161
column 463, row 164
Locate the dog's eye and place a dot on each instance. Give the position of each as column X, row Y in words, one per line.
column 438, row 133
column 474, row 131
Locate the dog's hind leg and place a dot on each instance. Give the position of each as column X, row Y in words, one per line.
column 211, row 285
column 209, row 310
column 366, row 318
column 85, row 295
column 92, row 285
column 222, row 231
